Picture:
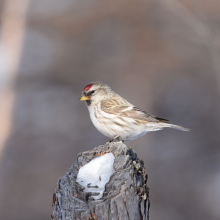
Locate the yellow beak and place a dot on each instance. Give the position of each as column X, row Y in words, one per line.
column 84, row 98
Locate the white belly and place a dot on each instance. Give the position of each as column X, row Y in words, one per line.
column 100, row 124
column 112, row 125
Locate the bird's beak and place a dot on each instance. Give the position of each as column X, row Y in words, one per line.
column 84, row 98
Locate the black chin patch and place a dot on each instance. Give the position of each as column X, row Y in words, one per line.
column 88, row 102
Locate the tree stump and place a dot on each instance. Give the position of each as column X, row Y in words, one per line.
column 126, row 195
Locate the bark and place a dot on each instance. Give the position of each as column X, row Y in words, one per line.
column 126, row 195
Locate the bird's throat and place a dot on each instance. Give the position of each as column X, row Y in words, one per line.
column 88, row 102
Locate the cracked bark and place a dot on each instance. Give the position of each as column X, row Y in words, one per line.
column 126, row 195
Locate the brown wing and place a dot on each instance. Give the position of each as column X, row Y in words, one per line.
column 112, row 106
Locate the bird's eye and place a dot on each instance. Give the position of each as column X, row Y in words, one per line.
column 92, row 91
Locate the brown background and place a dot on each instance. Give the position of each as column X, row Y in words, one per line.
column 161, row 55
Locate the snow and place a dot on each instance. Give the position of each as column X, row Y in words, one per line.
column 95, row 174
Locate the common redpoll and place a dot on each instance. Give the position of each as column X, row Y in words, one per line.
column 115, row 117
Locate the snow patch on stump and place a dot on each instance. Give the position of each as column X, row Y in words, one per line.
column 95, row 174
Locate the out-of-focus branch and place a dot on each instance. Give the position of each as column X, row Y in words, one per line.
column 13, row 23
column 206, row 35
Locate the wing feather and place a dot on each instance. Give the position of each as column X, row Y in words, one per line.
column 122, row 108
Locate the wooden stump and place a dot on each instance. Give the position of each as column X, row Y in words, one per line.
column 126, row 195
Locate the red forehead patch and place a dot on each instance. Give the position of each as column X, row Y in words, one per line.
column 88, row 87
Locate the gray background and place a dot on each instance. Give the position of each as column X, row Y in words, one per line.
column 162, row 56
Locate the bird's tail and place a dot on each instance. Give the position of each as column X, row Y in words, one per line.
column 167, row 125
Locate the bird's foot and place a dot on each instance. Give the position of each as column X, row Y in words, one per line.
column 115, row 139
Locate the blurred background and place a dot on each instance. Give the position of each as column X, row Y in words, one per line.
column 161, row 55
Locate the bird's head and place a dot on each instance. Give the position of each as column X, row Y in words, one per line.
column 95, row 92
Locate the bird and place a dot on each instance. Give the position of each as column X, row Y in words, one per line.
column 118, row 119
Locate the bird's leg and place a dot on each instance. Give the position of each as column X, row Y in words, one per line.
column 115, row 139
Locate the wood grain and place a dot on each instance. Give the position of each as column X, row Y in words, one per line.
column 126, row 195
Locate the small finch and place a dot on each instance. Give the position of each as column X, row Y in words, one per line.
column 116, row 118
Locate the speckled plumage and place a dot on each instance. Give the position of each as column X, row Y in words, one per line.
column 113, row 116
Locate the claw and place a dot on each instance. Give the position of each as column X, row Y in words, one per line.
column 115, row 139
